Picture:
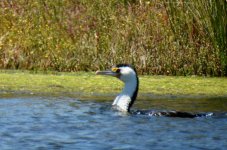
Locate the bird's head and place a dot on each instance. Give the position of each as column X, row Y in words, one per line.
column 126, row 73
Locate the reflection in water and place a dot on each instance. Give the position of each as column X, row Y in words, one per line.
column 65, row 123
column 185, row 104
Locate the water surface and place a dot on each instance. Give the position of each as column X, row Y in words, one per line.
column 67, row 123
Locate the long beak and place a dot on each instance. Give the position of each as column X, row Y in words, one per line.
column 108, row 73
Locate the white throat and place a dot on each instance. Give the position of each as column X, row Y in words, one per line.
column 123, row 100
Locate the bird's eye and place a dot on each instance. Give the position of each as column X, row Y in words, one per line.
column 117, row 70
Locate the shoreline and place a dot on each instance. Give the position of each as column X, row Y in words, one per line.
column 87, row 84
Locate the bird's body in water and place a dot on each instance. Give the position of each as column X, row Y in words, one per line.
column 124, row 101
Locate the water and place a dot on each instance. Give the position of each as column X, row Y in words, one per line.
column 67, row 123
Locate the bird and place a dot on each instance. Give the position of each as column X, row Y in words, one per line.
column 125, row 100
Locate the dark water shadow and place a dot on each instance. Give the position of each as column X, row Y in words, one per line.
column 188, row 104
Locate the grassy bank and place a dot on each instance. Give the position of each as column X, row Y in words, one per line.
column 159, row 37
column 88, row 84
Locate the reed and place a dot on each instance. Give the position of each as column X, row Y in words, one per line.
column 158, row 37
column 203, row 25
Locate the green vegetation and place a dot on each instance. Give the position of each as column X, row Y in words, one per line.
column 159, row 37
column 191, row 21
column 87, row 84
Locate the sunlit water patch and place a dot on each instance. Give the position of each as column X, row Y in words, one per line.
column 67, row 123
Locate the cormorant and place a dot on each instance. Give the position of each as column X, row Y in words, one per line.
column 124, row 101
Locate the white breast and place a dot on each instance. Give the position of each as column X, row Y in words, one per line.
column 121, row 102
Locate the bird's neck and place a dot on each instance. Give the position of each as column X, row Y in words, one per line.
column 126, row 98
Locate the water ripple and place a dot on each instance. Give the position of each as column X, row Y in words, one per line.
column 65, row 123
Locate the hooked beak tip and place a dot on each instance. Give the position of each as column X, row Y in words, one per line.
column 97, row 72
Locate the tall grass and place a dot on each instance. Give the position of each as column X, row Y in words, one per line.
column 202, row 23
column 158, row 37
